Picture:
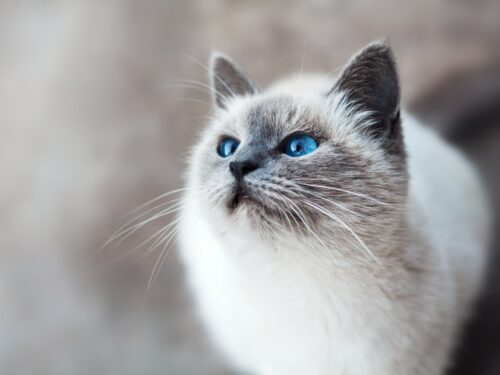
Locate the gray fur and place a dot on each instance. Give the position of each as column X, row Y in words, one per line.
column 228, row 80
column 371, row 81
column 338, row 249
column 312, row 180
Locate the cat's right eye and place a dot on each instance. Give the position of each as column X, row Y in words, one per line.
column 227, row 147
column 299, row 144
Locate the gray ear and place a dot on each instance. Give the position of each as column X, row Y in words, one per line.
column 371, row 81
column 228, row 80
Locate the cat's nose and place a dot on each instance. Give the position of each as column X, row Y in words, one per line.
column 242, row 168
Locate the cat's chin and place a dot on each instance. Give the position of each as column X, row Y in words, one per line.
column 244, row 201
column 241, row 198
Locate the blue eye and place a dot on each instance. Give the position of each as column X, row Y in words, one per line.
column 300, row 145
column 227, row 147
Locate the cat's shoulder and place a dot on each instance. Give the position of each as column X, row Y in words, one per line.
column 444, row 180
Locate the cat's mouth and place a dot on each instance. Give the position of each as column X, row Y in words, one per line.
column 241, row 195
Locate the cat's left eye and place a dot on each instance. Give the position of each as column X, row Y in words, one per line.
column 299, row 145
column 227, row 147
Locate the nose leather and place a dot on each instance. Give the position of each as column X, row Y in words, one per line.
column 242, row 168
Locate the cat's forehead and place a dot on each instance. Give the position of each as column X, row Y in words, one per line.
column 270, row 117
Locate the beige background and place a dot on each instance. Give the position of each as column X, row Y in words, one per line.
column 91, row 126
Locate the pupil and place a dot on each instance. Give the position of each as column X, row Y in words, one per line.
column 227, row 147
column 298, row 147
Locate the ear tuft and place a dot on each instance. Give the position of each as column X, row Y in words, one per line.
column 228, row 80
column 370, row 80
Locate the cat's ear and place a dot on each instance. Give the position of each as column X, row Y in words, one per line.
column 228, row 80
column 370, row 80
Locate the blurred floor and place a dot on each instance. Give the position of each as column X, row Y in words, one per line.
column 93, row 123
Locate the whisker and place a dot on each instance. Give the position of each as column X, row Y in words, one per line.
column 327, row 200
column 172, row 224
column 333, row 217
column 295, row 208
column 186, row 86
column 341, row 190
column 155, row 272
column 283, row 214
column 153, row 275
column 161, row 196
column 123, row 229
column 338, row 220
column 209, row 70
column 169, row 240
column 181, row 99
column 303, row 58
column 158, row 234
column 126, row 233
column 199, row 83
column 326, row 76
column 118, row 232
column 126, row 230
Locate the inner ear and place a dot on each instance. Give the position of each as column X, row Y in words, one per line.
column 370, row 80
column 228, row 80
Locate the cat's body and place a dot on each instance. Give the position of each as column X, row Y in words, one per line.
column 382, row 294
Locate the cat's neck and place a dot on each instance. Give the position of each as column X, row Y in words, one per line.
column 317, row 251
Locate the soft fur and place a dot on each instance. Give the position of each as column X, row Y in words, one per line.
column 363, row 257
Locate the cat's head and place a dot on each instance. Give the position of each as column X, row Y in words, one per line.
column 322, row 159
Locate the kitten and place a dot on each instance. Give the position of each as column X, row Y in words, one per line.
column 325, row 232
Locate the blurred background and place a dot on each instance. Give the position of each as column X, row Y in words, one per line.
column 95, row 120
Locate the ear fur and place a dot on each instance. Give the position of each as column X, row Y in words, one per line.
column 228, row 80
column 370, row 80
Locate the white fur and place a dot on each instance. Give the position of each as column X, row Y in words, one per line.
column 278, row 311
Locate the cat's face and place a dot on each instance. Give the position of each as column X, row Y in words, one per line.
column 325, row 163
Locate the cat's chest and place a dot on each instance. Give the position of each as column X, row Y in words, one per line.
column 269, row 280
column 284, row 308
column 253, row 301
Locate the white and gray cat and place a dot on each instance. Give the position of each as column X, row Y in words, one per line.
column 325, row 232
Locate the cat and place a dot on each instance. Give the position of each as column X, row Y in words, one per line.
column 325, row 231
